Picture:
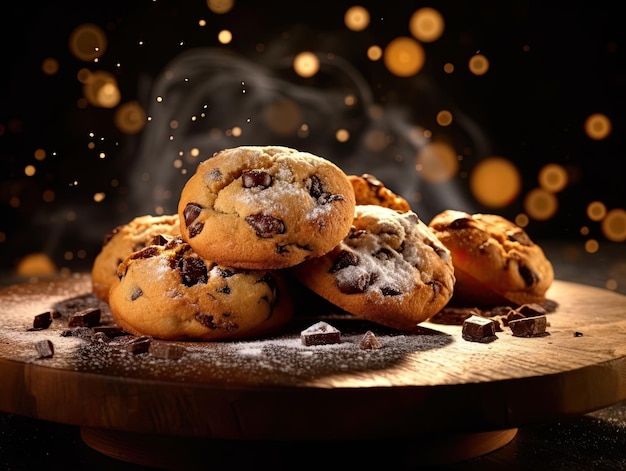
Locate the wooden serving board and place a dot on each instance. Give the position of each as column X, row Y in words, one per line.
column 428, row 383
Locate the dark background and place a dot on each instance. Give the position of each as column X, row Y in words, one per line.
column 552, row 64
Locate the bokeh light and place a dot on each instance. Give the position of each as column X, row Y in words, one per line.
column 220, row 6
column 553, row 178
column 283, row 116
column 50, row 66
column 540, row 204
column 225, row 36
column 437, row 162
column 478, row 64
column 130, row 118
column 404, row 57
column 100, row 89
column 87, row 42
column 36, row 264
column 426, row 24
column 495, row 182
column 357, row 18
column 597, row 126
column 614, row 225
column 596, row 211
column 306, row 64
column 444, row 118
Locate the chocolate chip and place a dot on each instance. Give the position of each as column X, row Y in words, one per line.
column 578, row 334
column 167, row 351
column 193, row 271
column 225, row 272
column 357, row 283
column 519, row 236
column 45, row 348
column 369, row 341
column 317, row 191
column 42, row 321
column 191, row 213
column 256, row 178
column 389, row 291
column 460, row 223
column 136, row 294
column 159, row 239
column 85, row 318
column 529, row 276
column 148, row 252
column 531, row 309
column 138, row 345
column 208, row 320
column 320, row 333
column 479, row 329
column 265, row 225
column 344, row 259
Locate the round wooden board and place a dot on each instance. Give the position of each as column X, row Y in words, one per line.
column 429, row 383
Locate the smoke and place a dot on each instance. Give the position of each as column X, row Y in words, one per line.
column 204, row 94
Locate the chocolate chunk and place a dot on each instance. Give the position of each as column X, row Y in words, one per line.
column 136, row 294
column 191, row 213
column 344, row 259
column 529, row 276
column 208, row 320
column 159, row 239
column 320, row 333
column 167, row 351
column 520, row 237
column 390, row 291
column 138, row 344
column 45, row 348
column 109, row 330
column 461, row 223
column 479, row 329
column 255, row 178
column 317, row 191
column 528, row 326
column 369, row 341
column 357, row 283
column 265, row 225
column 147, row 252
column 531, row 310
column 193, row 271
column 85, row 318
column 42, row 321
column 578, row 334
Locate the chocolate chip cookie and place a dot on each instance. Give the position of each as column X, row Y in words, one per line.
column 124, row 240
column 265, row 207
column 370, row 190
column 389, row 269
column 495, row 261
column 169, row 292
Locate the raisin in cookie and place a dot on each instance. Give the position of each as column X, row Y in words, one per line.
column 169, row 292
column 265, row 207
column 495, row 260
column 124, row 240
column 390, row 269
column 369, row 190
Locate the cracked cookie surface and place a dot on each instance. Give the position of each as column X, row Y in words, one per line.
column 265, row 207
column 495, row 260
column 169, row 292
column 390, row 269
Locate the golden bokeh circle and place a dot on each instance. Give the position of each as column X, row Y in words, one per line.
column 404, row 56
column 596, row 211
column 614, row 225
column 495, row 182
column 426, row 24
column 130, row 118
column 597, row 126
column 306, row 64
column 540, row 204
column 553, row 178
column 356, row 18
column 87, row 42
column 478, row 64
column 437, row 162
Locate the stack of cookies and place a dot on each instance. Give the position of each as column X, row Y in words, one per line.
column 254, row 222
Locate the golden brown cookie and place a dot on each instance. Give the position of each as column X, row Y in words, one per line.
column 390, row 269
column 124, row 240
column 369, row 190
column 265, row 207
column 495, row 261
column 169, row 292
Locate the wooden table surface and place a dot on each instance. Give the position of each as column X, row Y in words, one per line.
column 432, row 381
